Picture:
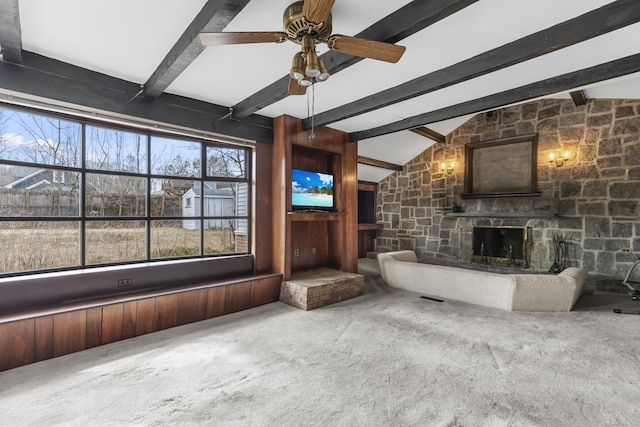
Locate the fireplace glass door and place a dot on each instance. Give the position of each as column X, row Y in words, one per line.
column 505, row 245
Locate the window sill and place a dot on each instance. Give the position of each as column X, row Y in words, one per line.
column 23, row 293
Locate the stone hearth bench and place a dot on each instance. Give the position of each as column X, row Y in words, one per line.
column 513, row 292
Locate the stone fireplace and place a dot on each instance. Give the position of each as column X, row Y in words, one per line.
column 592, row 201
column 501, row 245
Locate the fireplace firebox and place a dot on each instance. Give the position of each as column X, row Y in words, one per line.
column 501, row 245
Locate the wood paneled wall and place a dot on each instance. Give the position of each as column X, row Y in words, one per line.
column 262, row 232
column 350, row 199
column 38, row 337
column 305, row 237
column 335, row 234
column 366, row 242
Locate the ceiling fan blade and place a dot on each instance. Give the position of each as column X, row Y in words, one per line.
column 295, row 88
column 317, row 11
column 366, row 48
column 215, row 39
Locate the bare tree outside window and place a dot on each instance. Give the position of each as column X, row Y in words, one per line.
column 229, row 162
column 134, row 204
column 226, row 162
column 52, row 141
column 115, row 150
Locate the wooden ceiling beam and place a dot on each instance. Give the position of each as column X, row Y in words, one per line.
column 378, row 163
column 40, row 77
column 404, row 22
column 429, row 133
column 598, row 73
column 10, row 32
column 578, row 97
column 214, row 17
column 608, row 18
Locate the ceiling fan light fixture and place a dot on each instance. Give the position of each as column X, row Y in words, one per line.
column 297, row 67
column 313, row 64
column 324, row 73
column 308, row 43
column 305, row 81
column 308, row 23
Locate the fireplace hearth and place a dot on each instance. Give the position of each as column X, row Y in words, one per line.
column 501, row 245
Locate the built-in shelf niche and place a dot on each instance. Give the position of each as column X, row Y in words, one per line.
column 317, row 160
column 315, row 239
column 307, row 240
column 367, row 226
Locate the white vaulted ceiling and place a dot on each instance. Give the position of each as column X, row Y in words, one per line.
column 129, row 40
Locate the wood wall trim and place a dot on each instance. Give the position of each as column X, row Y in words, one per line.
column 40, row 337
column 579, row 98
column 69, row 332
column 94, row 327
column 430, row 133
column 43, row 337
column 129, row 319
column 379, row 163
column 262, row 232
column 350, row 197
column 111, row 325
column 367, row 186
column 17, row 344
column 281, row 162
column 370, row 227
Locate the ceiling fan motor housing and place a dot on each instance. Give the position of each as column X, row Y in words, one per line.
column 297, row 27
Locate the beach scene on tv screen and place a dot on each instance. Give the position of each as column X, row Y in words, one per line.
column 311, row 189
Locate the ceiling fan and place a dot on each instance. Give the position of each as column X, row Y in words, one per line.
column 308, row 23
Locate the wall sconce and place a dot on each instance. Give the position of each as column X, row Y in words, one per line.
column 559, row 158
column 447, row 167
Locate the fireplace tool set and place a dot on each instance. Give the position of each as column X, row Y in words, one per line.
column 633, row 292
column 560, row 253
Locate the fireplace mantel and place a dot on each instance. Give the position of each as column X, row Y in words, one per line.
column 516, row 214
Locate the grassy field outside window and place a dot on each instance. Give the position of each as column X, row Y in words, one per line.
column 76, row 194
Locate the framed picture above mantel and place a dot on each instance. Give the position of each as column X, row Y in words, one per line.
column 505, row 167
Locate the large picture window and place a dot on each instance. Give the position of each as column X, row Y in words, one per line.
column 76, row 194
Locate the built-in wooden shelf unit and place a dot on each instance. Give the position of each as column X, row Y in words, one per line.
column 367, row 226
column 307, row 240
column 312, row 216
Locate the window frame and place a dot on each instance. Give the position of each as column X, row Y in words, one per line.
column 83, row 218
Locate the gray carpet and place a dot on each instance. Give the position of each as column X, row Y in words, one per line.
column 388, row 358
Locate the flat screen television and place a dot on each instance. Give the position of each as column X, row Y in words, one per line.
column 311, row 191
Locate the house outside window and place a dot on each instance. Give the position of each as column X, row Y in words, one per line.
column 75, row 194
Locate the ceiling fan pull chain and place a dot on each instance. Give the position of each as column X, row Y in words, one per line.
column 311, row 101
column 310, row 131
